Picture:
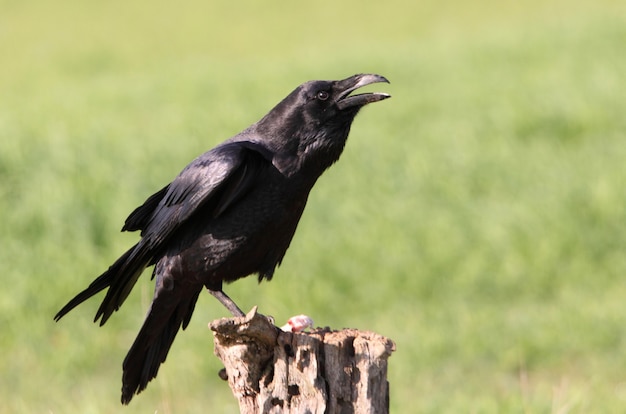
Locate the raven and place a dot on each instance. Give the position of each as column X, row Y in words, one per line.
column 230, row 213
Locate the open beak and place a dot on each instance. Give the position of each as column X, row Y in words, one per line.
column 347, row 86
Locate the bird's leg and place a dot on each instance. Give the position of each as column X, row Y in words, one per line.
column 227, row 302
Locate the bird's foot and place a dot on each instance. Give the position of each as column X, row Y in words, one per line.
column 227, row 302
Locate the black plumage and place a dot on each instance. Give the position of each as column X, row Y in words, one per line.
column 230, row 213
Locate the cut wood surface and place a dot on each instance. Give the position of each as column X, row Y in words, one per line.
column 321, row 371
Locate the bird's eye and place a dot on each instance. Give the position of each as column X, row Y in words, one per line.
column 322, row 95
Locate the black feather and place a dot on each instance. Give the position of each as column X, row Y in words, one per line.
column 230, row 213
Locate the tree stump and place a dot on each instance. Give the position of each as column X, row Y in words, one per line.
column 322, row 371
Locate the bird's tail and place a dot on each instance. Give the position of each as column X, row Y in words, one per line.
column 169, row 311
column 119, row 278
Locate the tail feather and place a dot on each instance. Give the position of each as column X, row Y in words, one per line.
column 168, row 313
column 119, row 278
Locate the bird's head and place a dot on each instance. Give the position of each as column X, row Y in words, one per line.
column 311, row 125
column 333, row 101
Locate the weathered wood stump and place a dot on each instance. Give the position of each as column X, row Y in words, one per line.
column 322, row 371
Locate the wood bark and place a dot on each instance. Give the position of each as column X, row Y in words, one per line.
column 322, row 371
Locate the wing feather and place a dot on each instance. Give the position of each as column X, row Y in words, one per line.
column 221, row 176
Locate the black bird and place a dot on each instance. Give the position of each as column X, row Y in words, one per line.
column 230, row 213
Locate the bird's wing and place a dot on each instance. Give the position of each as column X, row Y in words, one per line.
column 140, row 217
column 211, row 184
column 216, row 180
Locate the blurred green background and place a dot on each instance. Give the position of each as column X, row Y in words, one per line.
column 477, row 218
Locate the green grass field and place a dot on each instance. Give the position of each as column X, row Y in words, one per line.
column 477, row 218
